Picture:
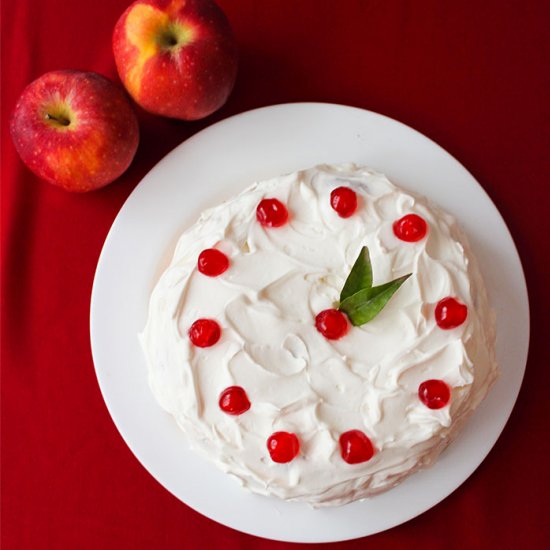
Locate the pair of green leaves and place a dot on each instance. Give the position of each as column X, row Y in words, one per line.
column 359, row 300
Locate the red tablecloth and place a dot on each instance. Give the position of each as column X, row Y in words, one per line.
column 471, row 75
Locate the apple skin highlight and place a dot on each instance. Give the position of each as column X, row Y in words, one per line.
column 176, row 58
column 75, row 129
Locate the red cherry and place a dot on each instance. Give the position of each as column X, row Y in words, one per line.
column 271, row 213
column 435, row 394
column 344, row 201
column 410, row 228
column 204, row 333
column 233, row 400
column 283, row 446
column 355, row 447
column 212, row 262
column 332, row 324
column 450, row 313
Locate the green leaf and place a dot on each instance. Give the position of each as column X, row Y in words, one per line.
column 360, row 276
column 365, row 305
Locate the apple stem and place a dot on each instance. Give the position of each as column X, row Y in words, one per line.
column 168, row 40
column 64, row 121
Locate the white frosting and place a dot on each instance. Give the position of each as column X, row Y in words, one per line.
column 298, row 381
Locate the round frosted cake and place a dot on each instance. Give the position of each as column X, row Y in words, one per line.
column 322, row 335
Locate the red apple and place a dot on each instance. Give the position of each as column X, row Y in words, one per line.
column 176, row 58
column 75, row 129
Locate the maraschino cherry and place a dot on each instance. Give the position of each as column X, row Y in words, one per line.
column 355, row 447
column 332, row 324
column 435, row 394
column 344, row 201
column 450, row 313
column 283, row 447
column 271, row 213
column 233, row 400
column 204, row 333
column 410, row 228
column 212, row 262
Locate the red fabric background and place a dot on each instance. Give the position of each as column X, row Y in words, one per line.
column 471, row 75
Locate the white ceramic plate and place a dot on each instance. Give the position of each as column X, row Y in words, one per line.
column 216, row 164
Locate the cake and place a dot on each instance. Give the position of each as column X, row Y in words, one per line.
column 268, row 342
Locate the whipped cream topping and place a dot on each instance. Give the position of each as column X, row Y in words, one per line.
column 279, row 279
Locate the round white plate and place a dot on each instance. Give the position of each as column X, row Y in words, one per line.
column 216, row 164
